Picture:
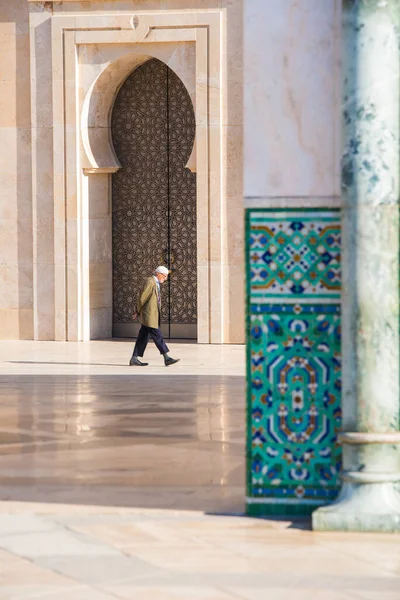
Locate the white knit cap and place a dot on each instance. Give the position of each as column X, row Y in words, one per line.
column 162, row 270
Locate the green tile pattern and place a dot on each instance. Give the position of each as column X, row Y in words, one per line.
column 294, row 256
column 293, row 359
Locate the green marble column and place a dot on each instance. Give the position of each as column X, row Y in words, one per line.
column 370, row 301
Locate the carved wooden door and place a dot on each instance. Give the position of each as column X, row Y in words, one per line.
column 154, row 198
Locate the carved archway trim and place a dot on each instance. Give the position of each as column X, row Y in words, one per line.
column 75, row 160
column 99, row 154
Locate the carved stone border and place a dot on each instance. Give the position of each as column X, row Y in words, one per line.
column 71, row 252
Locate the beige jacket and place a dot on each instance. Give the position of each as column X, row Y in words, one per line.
column 148, row 307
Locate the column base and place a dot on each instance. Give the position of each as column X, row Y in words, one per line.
column 373, row 507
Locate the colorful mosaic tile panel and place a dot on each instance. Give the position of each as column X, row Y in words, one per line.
column 294, row 371
column 296, row 254
column 295, row 402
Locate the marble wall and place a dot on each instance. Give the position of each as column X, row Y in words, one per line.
column 292, row 199
column 16, row 241
column 292, row 94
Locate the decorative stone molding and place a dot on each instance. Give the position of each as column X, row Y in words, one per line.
column 370, row 438
column 358, row 477
column 82, row 145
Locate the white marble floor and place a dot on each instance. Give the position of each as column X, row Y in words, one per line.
column 121, row 483
column 59, row 552
column 111, row 357
column 79, row 425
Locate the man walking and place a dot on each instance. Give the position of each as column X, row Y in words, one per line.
column 149, row 311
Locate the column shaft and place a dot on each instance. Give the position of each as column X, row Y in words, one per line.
column 370, row 250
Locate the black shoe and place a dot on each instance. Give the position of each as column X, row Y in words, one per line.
column 135, row 362
column 170, row 361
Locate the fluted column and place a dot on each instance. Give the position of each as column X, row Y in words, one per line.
column 370, row 248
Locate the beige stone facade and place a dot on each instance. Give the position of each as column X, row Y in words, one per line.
column 16, row 232
column 61, row 66
column 64, row 63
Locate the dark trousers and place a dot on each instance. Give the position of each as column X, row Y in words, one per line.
column 145, row 333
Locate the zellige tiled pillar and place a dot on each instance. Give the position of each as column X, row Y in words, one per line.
column 370, row 248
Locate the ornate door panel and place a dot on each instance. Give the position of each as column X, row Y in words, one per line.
column 182, row 206
column 154, row 198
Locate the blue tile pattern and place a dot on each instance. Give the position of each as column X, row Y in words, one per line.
column 295, row 255
column 294, row 367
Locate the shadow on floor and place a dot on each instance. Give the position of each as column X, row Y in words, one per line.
column 65, row 363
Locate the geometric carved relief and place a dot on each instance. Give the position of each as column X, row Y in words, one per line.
column 154, row 195
column 182, row 204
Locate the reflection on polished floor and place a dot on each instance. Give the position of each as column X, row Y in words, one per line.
column 78, row 425
column 113, row 481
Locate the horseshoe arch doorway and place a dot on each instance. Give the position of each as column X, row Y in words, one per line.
column 154, row 199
